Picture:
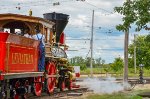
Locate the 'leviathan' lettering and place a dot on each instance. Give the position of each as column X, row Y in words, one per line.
column 20, row 58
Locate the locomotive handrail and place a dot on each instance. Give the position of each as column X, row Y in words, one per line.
column 49, row 56
column 59, row 44
column 64, row 59
column 61, row 64
column 48, row 52
column 47, row 46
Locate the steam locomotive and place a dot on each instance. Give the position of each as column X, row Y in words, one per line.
column 19, row 56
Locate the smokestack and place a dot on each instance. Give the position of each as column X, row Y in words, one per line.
column 60, row 21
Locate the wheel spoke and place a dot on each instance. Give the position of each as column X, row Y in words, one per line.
column 51, row 81
column 17, row 85
column 16, row 96
column 70, row 85
column 62, row 87
column 37, row 86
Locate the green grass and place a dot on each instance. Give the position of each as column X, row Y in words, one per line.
column 95, row 70
column 114, row 96
column 117, row 74
column 119, row 95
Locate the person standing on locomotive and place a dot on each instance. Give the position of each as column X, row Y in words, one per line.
column 27, row 33
column 39, row 36
column 1, row 29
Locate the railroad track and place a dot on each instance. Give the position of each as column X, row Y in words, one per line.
column 77, row 91
column 132, row 81
column 59, row 94
column 118, row 79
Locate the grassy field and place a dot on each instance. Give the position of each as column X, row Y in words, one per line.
column 116, row 74
column 114, row 96
column 119, row 95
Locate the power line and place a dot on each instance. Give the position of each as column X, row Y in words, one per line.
column 95, row 39
column 77, row 39
column 108, row 49
column 87, row 54
column 44, row 3
column 31, row 4
column 36, row 2
column 99, row 8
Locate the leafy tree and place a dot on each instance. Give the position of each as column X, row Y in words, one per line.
column 134, row 12
column 87, row 61
column 103, row 62
column 107, row 68
column 98, row 60
column 84, row 63
column 117, row 65
column 142, row 51
column 78, row 61
column 131, row 62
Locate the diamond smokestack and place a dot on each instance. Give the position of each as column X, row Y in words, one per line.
column 60, row 21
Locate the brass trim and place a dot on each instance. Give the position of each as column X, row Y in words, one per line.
column 22, row 47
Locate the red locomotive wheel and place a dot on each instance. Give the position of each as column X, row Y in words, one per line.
column 37, row 86
column 51, row 70
column 70, row 85
column 62, row 86
column 16, row 96
column 17, row 84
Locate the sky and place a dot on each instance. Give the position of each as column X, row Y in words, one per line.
column 108, row 42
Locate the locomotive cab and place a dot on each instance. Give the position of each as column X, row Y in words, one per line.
column 21, row 52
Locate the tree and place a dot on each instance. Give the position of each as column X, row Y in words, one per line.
column 87, row 61
column 117, row 65
column 142, row 51
column 98, row 61
column 103, row 62
column 78, row 61
column 134, row 11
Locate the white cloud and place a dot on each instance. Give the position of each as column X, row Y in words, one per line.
column 80, row 20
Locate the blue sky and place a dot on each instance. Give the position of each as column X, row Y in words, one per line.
column 108, row 42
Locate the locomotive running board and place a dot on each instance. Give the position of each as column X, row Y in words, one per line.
column 21, row 75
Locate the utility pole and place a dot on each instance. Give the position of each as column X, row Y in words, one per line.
column 91, row 45
column 134, row 54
